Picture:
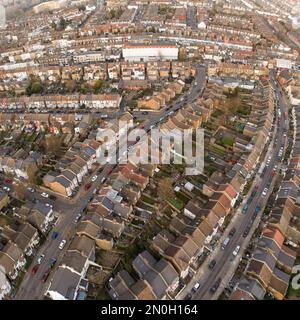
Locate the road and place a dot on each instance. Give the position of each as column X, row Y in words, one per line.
column 32, row 287
column 192, row 17
column 224, row 259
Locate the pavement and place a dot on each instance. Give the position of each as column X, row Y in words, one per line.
column 32, row 287
column 226, row 263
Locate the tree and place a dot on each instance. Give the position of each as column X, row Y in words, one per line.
column 36, row 87
column 81, row 7
column 84, row 88
column 20, row 191
column 62, row 23
column 98, row 86
column 53, row 25
column 52, row 143
column 165, row 187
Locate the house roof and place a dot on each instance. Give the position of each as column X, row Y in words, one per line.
column 142, row 291
column 64, row 284
column 252, row 287
column 82, row 244
column 74, row 260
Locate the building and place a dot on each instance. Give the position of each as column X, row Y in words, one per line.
column 142, row 52
column 2, row 16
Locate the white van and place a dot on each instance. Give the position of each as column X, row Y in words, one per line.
column 196, row 287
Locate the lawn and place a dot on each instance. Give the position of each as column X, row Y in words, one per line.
column 177, row 203
column 182, row 197
column 4, row 220
column 293, row 293
column 227, row 141
column 148, row 199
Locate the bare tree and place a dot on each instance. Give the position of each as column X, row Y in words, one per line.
column 20, row 191
column 165, row 189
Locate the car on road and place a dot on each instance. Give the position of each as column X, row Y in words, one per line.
column 236, row 250
column 256, row 210
column 94, row 178
column 103, row 179
column 264, row 171
column 212, row 264
column 87, row 186
column 188, row 296
column 32, row 190
column 45, row 195
column 196, row 287
column 78, row 216
column 54, row 235
column 52, row 197
column 9, row 181
column 245, row 208
column 265, row 191
column 46, row 275
column 48, row 205
column 225, row 243
column 232, row 231
column 6, row 188
column 145, row 112
column 246, row 232
column 40, row 258
column 35, row 269
column 216, row 285
column 52, row 262
column 62, row 244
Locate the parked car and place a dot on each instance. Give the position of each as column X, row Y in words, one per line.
column 196, row 287
column 45, row 195
column 188, row 296
column 236, row 250
column 52, row 262
column 78, row 216
column 216, row 285
column 87, row 186
column 32, row 190
column 46, row 275
column 212, row 264
column 232, row 231
column 62, row 244
column 35, row 269
column 246, row 232
column 245, row 208
column 256, row 210
column 94, row 178
column 265, row 191
column 225, row 243
column 40, row 258
column 54, row 235
column 52, row 197
column 9, row 181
